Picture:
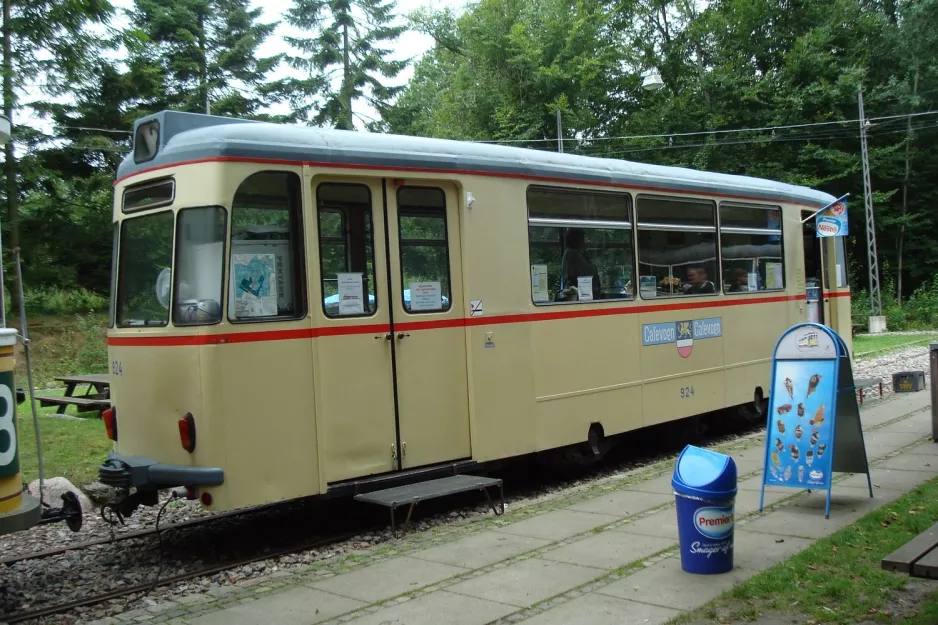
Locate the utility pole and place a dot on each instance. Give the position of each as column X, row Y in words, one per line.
column 559, row 133
column 877, row 321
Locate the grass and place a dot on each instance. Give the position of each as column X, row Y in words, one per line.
column 839, row 579
column 867, row 345
column 72, row 448
column 62, row 346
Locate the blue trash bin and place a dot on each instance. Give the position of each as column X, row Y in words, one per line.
column 704, row 485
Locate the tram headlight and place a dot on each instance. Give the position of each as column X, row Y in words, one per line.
column 146, row 141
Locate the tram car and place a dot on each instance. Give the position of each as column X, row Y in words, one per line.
column 301, row 312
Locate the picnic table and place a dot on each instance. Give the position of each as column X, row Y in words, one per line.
column 97, row 397
column 918, row 557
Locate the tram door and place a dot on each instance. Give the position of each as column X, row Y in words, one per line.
column 814, row 274
column 390, row 353
column 429, row 335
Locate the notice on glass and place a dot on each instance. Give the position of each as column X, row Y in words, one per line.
column 351, row 294
column 539, row 290
column 753, row 282
column 584, row 285
column 773, row 276
column 648, row 286
column 254, row 276
column 426, row 296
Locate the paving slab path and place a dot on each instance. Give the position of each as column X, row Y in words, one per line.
column 605, row 556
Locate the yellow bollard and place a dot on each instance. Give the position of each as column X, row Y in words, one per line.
column 11, row 484
column 18, row 511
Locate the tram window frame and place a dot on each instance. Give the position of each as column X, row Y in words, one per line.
column 294, row 206
column 446, row 294
column 142, row 187
column 679, row 224
column 537, row 218
column 177, row 274
column 742, row 229
column 115, row 256
column 122, row 261
column 368, row 283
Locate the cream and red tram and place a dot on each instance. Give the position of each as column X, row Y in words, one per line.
column 300, row 312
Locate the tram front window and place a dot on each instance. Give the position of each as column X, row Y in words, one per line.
column 200, row 254
column 146, row 256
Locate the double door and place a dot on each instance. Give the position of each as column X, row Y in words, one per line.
column 389, row 350
column 817, row 300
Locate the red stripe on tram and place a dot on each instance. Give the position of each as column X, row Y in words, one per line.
column 436, row 324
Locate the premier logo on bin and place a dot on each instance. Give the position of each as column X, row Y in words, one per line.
column 714, row 523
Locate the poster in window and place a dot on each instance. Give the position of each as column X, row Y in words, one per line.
column 585, row 288
column 254, row 276
column 426, row 296
column 539, row 289
column 753, row 282
column 774, row 278
column 351, row 294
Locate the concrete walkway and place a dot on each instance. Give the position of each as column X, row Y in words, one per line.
column 606, row 557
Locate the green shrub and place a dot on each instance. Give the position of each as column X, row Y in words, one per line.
column 918, row 312
column 47, row 301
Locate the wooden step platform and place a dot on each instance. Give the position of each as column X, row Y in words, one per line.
column 412, row 494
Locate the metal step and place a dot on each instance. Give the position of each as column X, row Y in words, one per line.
column 412, row 494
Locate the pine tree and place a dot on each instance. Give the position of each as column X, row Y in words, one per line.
column 207, row 52
column 46, row 44
column 348, row 39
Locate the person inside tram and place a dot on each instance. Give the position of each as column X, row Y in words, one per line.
column 698, row 282
column 739, row 280
column 575, row 265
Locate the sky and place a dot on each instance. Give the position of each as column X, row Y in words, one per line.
column 410, row 45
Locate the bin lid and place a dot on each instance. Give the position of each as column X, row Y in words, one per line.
column 702, row 472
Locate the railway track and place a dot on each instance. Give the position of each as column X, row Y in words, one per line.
column 147, row 586
column 527, row 484
column 46, row 553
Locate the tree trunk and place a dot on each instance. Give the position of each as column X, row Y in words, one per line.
column 347, row 79
column 905, row 196
column 11, row 183
column 203, row 69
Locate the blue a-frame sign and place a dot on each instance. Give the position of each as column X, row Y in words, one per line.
column 813, row 427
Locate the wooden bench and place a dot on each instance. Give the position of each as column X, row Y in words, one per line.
column 97, row 396
column 867, row 383
column 918, row 557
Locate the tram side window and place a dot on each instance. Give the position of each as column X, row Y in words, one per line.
column 751, row 247
column 425, row 283
column 677, row 247
column 580, row 245
column 346, row 250
column 266, row 279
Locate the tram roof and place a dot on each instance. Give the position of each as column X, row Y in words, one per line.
column 186, row 137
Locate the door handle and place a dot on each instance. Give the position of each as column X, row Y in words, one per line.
column 401, row 335
column 386, row 337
